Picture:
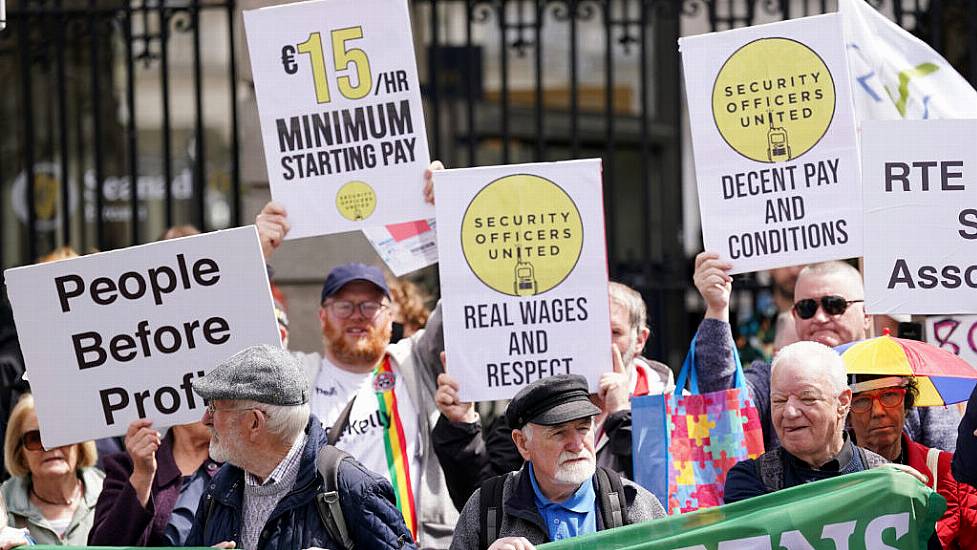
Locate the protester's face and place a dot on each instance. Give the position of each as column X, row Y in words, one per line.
column 623, row 336
column 563, row 454
column 831, row 330
column 807, row 410
column 54, row 463
column 356, row 340
column 878, row 428
column 227, row 434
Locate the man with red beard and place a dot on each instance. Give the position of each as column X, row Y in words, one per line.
column 382, row 394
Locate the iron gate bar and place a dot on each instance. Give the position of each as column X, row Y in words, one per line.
column 28, row 128
column 574, row 100
column 200, row 160
column 96, row 128
column 131, row 137
column 434, row 59
column 63, row 129
column 538, row 38
column 611, row 149
column 235, row 138
column 504, row 52
column 164, row 83
column 470, row 83
column 645, row 173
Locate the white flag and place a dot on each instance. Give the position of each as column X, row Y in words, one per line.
column 896, row 75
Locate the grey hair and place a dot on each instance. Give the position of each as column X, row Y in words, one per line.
column 284, row 421
column 527, row 432
column 836, row 267
column 632, row 302
column 814, row 355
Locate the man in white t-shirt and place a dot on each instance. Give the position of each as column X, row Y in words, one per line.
column 391, row 386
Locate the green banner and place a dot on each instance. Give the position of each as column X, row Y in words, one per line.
column 879, row 509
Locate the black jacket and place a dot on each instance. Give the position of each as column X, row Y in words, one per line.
column 965, row 458
column 367, row 501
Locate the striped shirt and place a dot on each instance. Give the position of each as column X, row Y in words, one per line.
column 261, row 497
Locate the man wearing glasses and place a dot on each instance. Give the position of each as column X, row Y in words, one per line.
column 828, row 309
column 376, row 399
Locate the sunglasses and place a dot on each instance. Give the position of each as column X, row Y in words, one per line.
column 833, row 305
column 890, row 398
column 32, row 441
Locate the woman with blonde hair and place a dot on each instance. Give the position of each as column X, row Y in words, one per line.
column 51, row 493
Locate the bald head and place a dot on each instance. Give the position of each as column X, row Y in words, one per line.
column 831, row 279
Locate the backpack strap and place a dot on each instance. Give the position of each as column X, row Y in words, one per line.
column 770, row 467
column 613, row 504
column 490, row 510
column 933, row 463
column 327, row 501
column 336, row 431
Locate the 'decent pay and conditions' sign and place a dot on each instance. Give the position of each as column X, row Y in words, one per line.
column 773, row 136
column 523, row 275
column 116, row 336
column 340, row 110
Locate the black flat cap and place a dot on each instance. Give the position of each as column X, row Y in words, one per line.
column 551, row 401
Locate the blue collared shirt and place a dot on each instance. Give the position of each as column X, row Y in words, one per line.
column 576, row 515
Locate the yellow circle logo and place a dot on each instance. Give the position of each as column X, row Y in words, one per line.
column 356, row 201
column 773, row 100
column 522, row 235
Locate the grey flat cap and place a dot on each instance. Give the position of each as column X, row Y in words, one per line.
column 262, row 373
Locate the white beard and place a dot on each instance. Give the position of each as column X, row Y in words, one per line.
column 224, row 449
column 577, row 472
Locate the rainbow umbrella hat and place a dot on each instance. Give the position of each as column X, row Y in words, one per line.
column 943, row 378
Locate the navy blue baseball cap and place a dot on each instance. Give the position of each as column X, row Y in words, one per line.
column 341, row 275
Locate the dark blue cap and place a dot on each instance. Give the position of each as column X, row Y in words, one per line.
column 347, row 273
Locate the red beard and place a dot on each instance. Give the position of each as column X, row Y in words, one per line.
column 365, row 351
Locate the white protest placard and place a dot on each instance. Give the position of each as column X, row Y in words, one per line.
column 773, row 136
column 920, row 196
column 956, row 334
column 116, row 336
column 340, row 111
column 405, row 247
column 523, row 275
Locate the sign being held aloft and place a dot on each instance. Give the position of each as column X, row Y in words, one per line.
column 116, row 336
column 340, row 111
column 920, row 195
column 523, row 275
column 773, row 134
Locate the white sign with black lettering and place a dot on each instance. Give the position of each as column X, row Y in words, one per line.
column 920, row 197
column 341, row 115
column 523, row 275
column 773, row 135
column 120, row 335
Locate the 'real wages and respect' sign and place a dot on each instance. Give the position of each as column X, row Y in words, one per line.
column 773, row 135
column 920, row 196
column 116, row 336
column 523, row 275
column 340, row 111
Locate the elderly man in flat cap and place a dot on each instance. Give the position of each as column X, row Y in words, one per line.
column 560, row 492
column 265, row 496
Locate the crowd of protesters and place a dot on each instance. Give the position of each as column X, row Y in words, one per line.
column 367, row 444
